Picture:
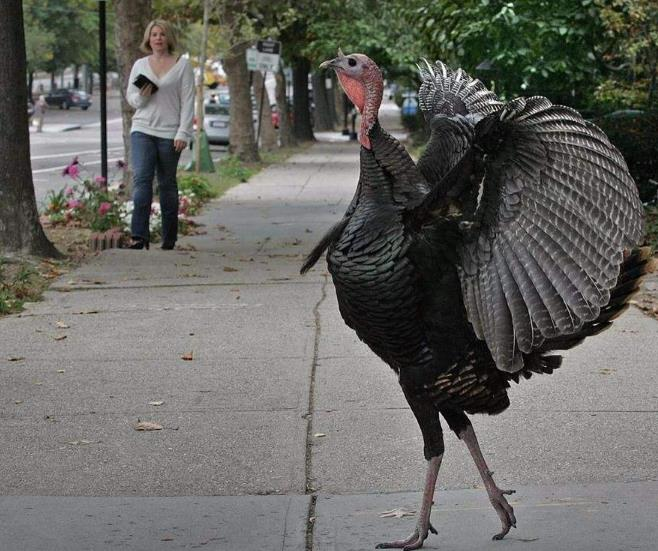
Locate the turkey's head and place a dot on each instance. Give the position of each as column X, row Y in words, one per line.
column 363, row 83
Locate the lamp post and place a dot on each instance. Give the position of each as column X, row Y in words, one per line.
column 103, row 85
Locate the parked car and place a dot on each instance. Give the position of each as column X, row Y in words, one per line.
column 65, row 98
column 216, row 121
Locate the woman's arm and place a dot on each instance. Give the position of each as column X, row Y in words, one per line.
column 133, row 96
column 187, row 92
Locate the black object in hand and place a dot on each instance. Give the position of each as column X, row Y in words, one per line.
column 142, row 81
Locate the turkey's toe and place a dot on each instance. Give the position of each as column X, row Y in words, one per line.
column 504, row 510
column 414, row 541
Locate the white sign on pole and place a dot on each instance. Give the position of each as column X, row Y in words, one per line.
column 265, row 56
column 252, row 59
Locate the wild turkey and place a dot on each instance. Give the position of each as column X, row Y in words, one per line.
column 507, row 242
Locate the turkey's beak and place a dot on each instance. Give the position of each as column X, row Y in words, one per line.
column 330, row 63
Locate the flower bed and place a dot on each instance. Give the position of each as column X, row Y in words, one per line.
column 87, row 201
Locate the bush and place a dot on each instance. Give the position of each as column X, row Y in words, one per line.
column 635, row 134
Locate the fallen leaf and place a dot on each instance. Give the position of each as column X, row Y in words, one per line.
column 79, row 442
column 147, row 425
column 15, row 358
column 229, row 269
column 319, row 435
column 156, row 403
column 59, row 337
column 167, row 538
column 61, row 371
column 18, row 402
column 61, row 324
column 187, row 357
column 397, row 513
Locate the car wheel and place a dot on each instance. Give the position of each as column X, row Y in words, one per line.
column 61, row 105
column 66, row 105
column 85, row 108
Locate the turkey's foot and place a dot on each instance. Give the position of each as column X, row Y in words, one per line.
column 423, row 526
column 496, row 495
column 414, row 541
column 500, row 504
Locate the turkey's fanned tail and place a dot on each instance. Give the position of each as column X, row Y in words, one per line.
column 447, row 92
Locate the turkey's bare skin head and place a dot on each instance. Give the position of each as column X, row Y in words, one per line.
column 364, row 85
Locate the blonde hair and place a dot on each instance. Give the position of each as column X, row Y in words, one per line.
column 169, row 33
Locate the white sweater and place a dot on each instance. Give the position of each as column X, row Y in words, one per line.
column 169, row 112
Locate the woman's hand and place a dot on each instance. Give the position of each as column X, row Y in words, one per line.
column 179, row 145
column 146, row 90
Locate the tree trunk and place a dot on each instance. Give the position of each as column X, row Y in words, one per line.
column 331, row 96
column 267, row 131
column 340, row 107
column 302, row 126
column 322, row 116
column 20, row 230
column 132, row 16
column 241, row 134
column 286, row 135
column 30, row 86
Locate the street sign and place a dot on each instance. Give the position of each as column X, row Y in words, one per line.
column 252, row 59
column 269, row 47
column 265, row 56
column 259, row 61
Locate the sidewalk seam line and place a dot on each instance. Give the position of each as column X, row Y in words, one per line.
column 310, row 520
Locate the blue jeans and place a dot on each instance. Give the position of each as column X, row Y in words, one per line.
column 151, row 155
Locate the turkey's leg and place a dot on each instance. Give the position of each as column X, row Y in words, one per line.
column 496, row 495
column 423, row 525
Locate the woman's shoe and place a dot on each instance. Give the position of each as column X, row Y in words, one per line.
column 139, row 243
column 168, row 245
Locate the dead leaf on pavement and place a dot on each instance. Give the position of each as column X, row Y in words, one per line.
column 147, row 425
column 61, row 324
column 156, row 403
column 397, row 513
column 188, row 357
column 319, row 435
column 59, row 337
column 15, row 358
column 229, row 269
column 61, row 371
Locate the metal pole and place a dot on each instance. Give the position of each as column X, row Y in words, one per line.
column 260, row 109
column 103, row 75
column 199, row 86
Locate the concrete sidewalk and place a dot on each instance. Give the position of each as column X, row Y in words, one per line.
column 282, row 414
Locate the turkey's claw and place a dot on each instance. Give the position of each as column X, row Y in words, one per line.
column 503, row 508
column 414, row 541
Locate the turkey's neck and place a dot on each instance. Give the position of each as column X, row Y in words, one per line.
column 373, row 99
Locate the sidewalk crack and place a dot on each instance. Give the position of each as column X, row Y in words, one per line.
column 310, row 490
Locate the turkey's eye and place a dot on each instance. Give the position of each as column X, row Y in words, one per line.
column 351, row 62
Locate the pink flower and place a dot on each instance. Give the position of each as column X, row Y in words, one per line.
column 69, row 191
column 104, row 208
column 72, row 170
column 100, row 180
column 74, row 203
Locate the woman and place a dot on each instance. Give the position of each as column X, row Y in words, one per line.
column 40, row 108
column 161, row 128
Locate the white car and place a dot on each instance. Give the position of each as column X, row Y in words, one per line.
column 216, row 118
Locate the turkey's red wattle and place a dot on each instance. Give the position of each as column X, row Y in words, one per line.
column 354, row 90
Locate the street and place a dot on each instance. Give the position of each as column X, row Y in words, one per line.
column 70, row 133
